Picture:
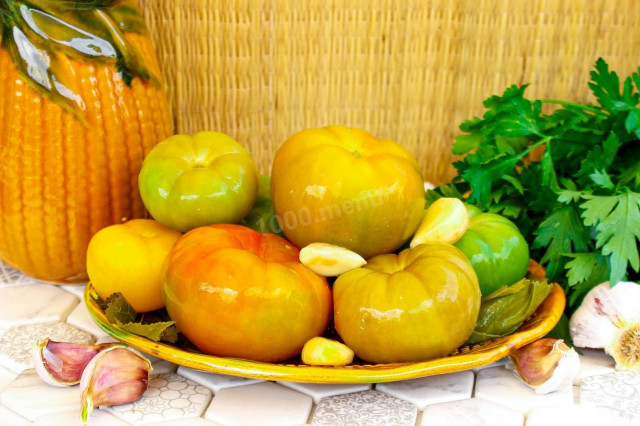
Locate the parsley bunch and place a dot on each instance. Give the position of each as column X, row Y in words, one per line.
column 570, row 180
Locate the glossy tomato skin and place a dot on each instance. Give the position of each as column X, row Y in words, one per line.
column 343, row 186
column 234, row 292
column 411, row 307
column 188, row 181
column 127, row 258
column 496, row 249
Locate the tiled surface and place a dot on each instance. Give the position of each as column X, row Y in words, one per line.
column 215, row 382
column 31, row 398
column 67, row 418
column 81, row 318
column 594, row 362
column 490, row 395
column 6, row 377
column 78, row 290
column 432, row 390
column 160, row 366
column 319, row 391
column 501, row 386
column 10, row 418
column 369, row 408
column 264, row 404
column 29, row 304
column 17, row 342
column 169, row 397
column 583, row 415
column 618, row 392
column 470, row 412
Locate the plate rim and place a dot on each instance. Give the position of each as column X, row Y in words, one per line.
column 538, row 325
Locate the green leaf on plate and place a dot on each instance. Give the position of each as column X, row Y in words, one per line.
column 157, row 331
column 152, row 325
column 503, row 311
column 118, row 310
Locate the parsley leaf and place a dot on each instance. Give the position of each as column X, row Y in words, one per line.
column 560, row 233
column 616, row 219
column 570, row 180
column 605, row 86
column 585, row 271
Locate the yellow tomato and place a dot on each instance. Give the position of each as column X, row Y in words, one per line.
column 343, row 186
column 418, row 305
column 128, row 259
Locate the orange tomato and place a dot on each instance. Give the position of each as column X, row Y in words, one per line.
column 235, row 292
column 346, row 187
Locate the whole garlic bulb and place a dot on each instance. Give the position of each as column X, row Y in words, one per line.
column 609, row 318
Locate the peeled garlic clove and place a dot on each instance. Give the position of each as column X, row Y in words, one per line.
column 547, row 365
column 328, row 260
column 323, row 351
column 609, row 318
column 445, row 221
column 118, row 375
column 62, row 363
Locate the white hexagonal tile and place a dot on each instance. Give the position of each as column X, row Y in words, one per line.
column 594, row 362
column 160, row 366
column 500, row 363
column 260, row 404
column 369, row 408
column 77, row 289
column 470, row 412
column 81, row 318
column 29, row 304
column 195, row 421
column 433, row 389
column 8, row 417
column 319, row 391
column 582, row 415
column 17, row 343
column 97, row 418
column 618, row 392
column 213, row 381
column 502, row 387
column 109, row 339
column 31, row 398
column 169, row 397
column 6, row 377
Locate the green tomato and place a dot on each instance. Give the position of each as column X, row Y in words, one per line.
column 496, row 249
column 192, row 181
column 262, row 217
column 472, row 210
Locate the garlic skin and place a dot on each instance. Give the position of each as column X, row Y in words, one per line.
column 546, row 365
column 61, row 363
column 329, row 260
column 609, row 319
column 118, row 375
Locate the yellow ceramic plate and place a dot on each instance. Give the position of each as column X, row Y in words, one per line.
column 465, row 358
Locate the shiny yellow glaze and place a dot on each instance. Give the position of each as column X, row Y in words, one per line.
column 466, row 358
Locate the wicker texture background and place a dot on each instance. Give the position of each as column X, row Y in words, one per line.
column 407, row 70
